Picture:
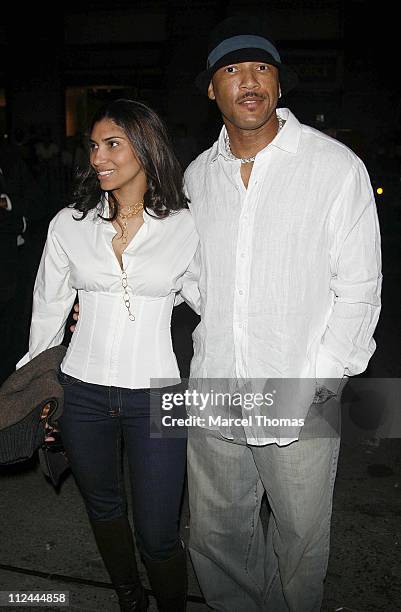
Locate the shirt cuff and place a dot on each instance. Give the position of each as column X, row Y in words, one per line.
column 330, row 374
column 178, row 299
column 25, row 359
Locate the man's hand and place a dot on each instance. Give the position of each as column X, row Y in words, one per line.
column 323, row 394
column 75, row 316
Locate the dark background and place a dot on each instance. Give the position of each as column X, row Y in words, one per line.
column 58, row 66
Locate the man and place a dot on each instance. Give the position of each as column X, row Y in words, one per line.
column 12, row 225
column 290, row 283
column 19, row 200
column 9, row 230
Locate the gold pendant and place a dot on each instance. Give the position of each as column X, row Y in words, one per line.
column 125, row 233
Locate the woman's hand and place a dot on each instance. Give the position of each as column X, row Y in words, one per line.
column 51, row 431
column 75, row 316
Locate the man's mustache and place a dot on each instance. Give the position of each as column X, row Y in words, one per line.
column 250, row 94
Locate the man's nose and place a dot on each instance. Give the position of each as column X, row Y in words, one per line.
column 249, row 79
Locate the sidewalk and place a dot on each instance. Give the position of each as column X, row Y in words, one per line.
column 45, row 532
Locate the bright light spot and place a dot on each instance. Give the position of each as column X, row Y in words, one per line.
column 380, row 191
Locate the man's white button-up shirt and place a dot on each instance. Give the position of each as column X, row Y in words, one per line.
column 290, row 267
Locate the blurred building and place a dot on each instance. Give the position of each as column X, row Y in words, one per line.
column 57, row 68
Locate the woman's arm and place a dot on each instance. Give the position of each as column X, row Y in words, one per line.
column 53, row 296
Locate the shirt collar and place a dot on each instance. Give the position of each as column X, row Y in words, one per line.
column 287, row 139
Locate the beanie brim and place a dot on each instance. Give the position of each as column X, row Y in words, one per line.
column 287, row 77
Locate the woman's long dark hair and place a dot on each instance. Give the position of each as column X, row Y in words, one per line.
column 150, row 142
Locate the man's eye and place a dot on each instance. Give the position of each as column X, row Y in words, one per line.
column 230, row 69
column 263, row 67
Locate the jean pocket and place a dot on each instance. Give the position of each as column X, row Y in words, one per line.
column 66, row 380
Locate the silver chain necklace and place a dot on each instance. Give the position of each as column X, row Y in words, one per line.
column 248, row 160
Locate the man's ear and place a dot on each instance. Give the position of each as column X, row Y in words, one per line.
column 210, row 91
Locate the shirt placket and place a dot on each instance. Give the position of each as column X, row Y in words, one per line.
column 242, row 275
column 117, row 339
column 115, row 332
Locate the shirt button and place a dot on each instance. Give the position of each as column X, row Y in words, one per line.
column 241, row 292
column 242, row 255
column 240, row 325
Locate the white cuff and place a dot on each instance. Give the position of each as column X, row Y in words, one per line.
column 25, row 359
column 329, row 373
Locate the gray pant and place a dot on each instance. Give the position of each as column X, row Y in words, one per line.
column 238, row 567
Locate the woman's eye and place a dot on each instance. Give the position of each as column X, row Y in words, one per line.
column 92, row 146
column 113, row 143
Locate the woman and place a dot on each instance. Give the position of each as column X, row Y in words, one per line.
column 125, row 245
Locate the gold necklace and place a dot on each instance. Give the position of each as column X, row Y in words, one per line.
column 132, row 211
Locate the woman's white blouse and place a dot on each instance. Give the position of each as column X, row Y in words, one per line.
column 107, row 347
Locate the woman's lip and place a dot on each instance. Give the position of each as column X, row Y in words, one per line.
column 105, row 174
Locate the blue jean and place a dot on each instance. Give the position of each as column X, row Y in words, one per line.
column 96, row 421
column 238, row 567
